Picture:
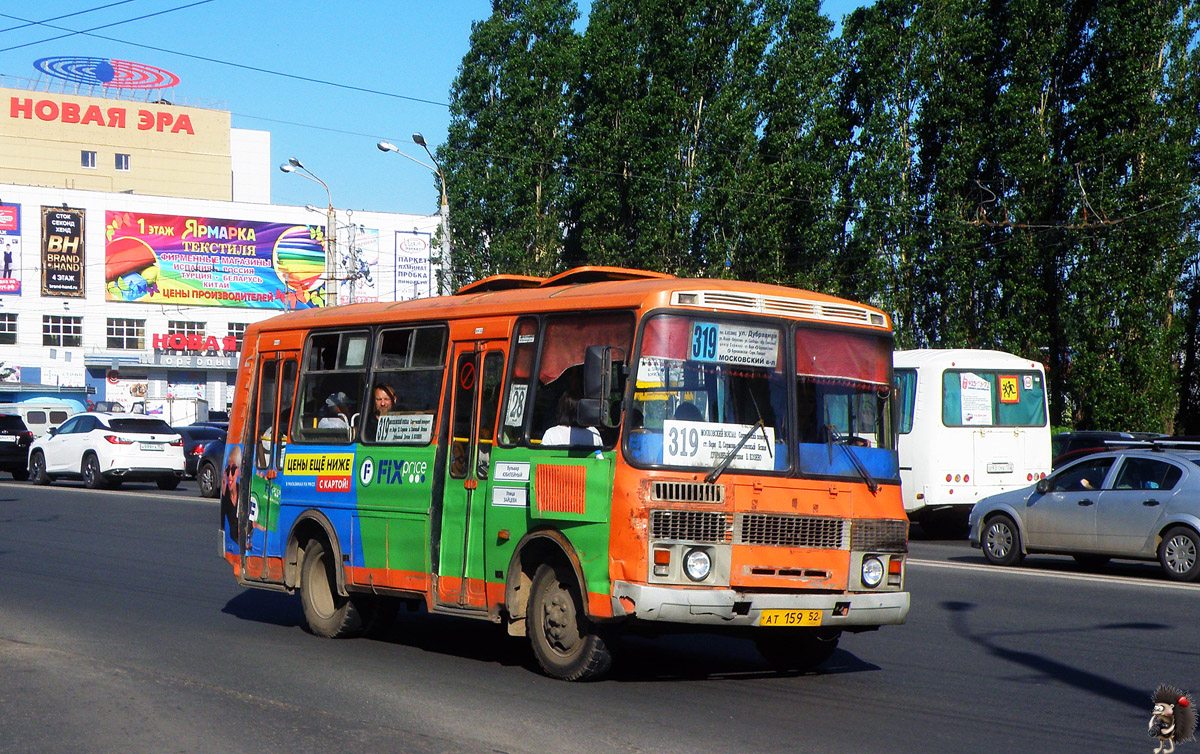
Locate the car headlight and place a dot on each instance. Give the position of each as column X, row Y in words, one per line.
column 872, row 571
column 697, row 565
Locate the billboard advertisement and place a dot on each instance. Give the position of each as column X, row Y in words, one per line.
column 414, row 265
column 62, row 252
column 202, row 261
column 358, row 264
column 10, row 239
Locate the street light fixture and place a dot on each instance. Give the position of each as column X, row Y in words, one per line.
column 387, row 146
column 295, row 166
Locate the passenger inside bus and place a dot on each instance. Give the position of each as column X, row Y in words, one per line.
column 336, row 413
column 383, row 402
column 568, row 433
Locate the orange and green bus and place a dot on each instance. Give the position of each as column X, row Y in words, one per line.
column 570, row 457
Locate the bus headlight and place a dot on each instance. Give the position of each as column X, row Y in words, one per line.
column 698, row 565
column 872, row 571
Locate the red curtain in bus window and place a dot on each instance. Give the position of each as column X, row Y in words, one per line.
column 843, row 355
column 667, row 337
column 567, row 338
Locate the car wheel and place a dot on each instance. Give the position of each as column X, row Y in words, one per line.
column 206, row 477
column 92, row 478
column 20, row 474
column 37, row 469
column 1001, row 541
column 167, row 482
column 1179, row 554
column 564, row 641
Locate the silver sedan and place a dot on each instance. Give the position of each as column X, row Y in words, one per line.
column 1136, row 504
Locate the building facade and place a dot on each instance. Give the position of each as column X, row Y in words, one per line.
column 139, row 243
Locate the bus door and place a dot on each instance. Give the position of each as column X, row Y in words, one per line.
column 258, row 505
column 478, row 375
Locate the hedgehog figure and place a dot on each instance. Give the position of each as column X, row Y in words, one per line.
column 1174, row 718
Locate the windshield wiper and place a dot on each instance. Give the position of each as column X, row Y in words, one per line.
column 835, row 436
column 719, row 469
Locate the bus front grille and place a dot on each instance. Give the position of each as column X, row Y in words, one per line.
column 691, row 526
column 687, row 492
column 879, row 536
column 792, row 531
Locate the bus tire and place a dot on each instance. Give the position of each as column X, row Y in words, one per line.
column 798, row 649
column 327, row 613
column 167, row 482
column 565, row 643
column 37, row 469
column 92, row 478
column 1179, row 554
column 1001, row 542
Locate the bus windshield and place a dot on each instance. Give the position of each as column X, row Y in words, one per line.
column 844, row 398
column 702, row 385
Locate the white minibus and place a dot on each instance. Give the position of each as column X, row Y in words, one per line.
column 972, row 423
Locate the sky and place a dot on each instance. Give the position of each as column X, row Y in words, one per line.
column 328, row 80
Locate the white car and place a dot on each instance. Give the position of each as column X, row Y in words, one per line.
column 106, row 449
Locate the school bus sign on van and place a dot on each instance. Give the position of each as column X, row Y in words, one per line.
column 574, row 455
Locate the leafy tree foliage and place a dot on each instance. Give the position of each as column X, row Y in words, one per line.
column 1011, row 174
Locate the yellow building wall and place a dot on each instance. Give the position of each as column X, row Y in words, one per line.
column 173, row 150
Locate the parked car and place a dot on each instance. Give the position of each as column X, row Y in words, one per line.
column 208, row 471
column 15, row 438
column 1070, row 446
column 105, row 449
column 195, row 437
column 1135, row 503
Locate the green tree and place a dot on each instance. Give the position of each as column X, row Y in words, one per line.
column 507, row 143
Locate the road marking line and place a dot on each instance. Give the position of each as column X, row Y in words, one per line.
column 1006, row 571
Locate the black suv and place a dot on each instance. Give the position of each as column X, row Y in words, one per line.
column 14, row 446
column 1068, row 446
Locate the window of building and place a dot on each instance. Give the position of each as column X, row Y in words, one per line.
column 87, row 158
column 8, row 329
column 122, row 162
column 182, row 327
column 62, row 331
column 126, row 333
column 237, row 330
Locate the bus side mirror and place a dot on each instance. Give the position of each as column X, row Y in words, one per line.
column 600, row 373
column 597, row 372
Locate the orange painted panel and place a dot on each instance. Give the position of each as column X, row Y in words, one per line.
column 560, row 489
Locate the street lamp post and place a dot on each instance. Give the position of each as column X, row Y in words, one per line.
column 418, row 139
column 292, row 166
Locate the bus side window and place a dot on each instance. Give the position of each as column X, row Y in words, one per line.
column 560, row 368
column 517, row 389
column 331, row 387
column 406, row 385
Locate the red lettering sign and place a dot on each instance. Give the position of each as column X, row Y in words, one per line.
column 333, row 484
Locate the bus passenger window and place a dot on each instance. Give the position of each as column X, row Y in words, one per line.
column 560, row 370
column 406, row 385
column 331, row 388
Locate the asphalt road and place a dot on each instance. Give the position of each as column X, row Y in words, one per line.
column 122, row 631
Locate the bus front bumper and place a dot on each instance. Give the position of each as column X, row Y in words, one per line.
column 726, row 607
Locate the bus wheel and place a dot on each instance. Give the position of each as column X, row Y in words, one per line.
column 327, row 613
column 564, row 641
column 1001, row 541
column 800, row 649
